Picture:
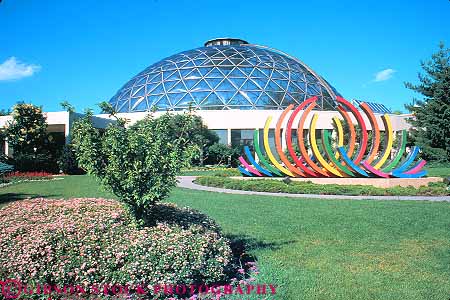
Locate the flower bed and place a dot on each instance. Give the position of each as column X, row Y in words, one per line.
column 15, row 177
column 96, row 242
column 277, row 186
column 29, row 175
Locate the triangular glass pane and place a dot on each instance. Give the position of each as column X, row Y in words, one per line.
column 301, row 85
column 179, row 87
column 167, row 74
column 139, row 92
column 282, row 83
column 226, row 70
column 184, row 72
column 213, row 82
column 225, row 96
column 250, row 86
column 226, row 62
column 310, row 78
column 293, row 88
column 238, row 82
column 207, row 62
column 204, row 70
column 194, row 74
column 215, row 73
column 236, row 60
column 239, row 100
column 175, row 97
column 218, row 54
column 265, row 101
column 152, row 99
column 141, row 81
column 277, row 97
column 266, row 71
column 212, row 100
column 288, row 99
column 156, row 78
column 257, row 73
column 254, row 61
column 140, row 105
column 124, row 106
column 174, row 76
column 199, row 96
column 163, row 103
column 199, row 62
column 186, row 102
column 168, row 85
column 225, row 85
column 201, row 86
column 191, row 83
column 272, row 86
column 297, row 76
column 158, row 90
column 236, row 73
column 188, row 64
column 124, row 94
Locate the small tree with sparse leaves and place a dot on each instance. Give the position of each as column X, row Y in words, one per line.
column 140, row 163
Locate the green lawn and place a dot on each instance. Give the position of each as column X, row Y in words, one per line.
column 438, row 171
column 317, row 249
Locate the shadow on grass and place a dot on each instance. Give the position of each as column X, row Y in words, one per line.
column 7, row 198
column 241, row 245
column 173, row 215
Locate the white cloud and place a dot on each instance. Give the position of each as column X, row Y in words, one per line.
column 12, row 69
column 384, row 75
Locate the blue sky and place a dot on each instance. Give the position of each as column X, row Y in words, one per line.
column 84, row 51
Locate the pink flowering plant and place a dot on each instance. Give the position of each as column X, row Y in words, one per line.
column 96, row 241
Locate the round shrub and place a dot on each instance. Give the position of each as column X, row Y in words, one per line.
column 96, row 242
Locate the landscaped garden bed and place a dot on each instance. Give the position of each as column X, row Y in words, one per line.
column 278, row 186
column 96, row 242
column 16, row 177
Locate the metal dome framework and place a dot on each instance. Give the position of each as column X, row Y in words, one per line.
column 219, row 77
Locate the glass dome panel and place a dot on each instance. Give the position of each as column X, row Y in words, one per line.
column 224, row 77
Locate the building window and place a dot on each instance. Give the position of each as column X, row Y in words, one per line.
column 222, row 134
column 242, row 137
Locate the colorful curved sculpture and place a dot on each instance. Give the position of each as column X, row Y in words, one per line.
column 328, row 159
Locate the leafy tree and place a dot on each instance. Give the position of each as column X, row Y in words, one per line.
column 67, row 106
column 27, row 132
column 139, row 164
column 197, row 135
column 219, row 154
column 33, row 148
column 431, row 119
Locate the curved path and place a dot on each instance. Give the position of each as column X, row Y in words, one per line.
column 186, row 182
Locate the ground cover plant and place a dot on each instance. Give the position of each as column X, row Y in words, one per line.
column 96, row 242
column 292, row 187
column 14, row 177
column 312, row 248
column 210, row 171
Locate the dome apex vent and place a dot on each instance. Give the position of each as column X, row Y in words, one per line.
column 225, row 42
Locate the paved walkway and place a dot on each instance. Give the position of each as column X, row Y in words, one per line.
column 186, row 182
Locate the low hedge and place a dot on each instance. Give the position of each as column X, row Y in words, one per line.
column 93, row 242
column 279, row 186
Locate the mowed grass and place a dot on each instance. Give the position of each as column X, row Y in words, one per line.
column 438, row 171
column 317, row 249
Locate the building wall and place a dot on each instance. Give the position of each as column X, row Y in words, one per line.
column 231, row 120
column 231, row 125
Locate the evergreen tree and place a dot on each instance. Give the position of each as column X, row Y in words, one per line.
column 431, row 114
